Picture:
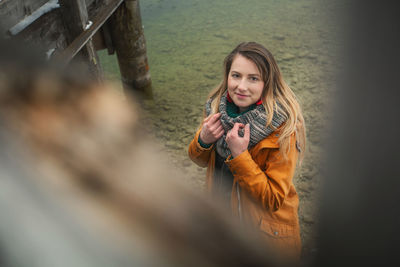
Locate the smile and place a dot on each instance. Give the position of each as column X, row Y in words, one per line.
column 240, row 95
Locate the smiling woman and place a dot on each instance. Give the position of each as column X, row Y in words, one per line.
column 251, row 138
column 245, row 84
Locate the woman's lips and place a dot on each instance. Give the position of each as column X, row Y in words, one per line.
column 241, row 96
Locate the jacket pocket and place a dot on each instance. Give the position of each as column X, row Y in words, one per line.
column 277, row 230
column 284, row 237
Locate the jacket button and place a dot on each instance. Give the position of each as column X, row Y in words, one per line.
column 275, row 233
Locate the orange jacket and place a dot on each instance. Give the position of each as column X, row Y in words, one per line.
column 263, row 194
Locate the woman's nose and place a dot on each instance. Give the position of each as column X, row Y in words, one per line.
column 242, row 84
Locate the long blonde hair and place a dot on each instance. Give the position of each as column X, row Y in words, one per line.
column 275, row 91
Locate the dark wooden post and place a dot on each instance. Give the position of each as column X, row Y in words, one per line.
column 130, row 45
column 76, row 20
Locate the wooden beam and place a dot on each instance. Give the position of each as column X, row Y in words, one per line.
column 98, row 40
column 76, row 16
column 107, row 38
column 13, row 11
column 76, row 20
column 65, row 56
column 47, row 33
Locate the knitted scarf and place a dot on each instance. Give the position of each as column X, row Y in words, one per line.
column 257, row 118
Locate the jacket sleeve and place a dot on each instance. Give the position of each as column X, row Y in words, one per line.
column 197, row 153
column 269, row 183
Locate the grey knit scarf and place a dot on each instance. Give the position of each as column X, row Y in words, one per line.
column 257, row 118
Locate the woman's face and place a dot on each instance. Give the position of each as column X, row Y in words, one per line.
column 245, row 84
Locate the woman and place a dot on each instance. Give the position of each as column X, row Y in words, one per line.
column 251, row 139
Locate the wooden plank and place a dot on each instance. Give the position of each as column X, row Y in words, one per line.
column 102, row 39
column 107, row 38
column 98, row 40
column 13, row 11
column 76, row 20
column 93, row 2
column 46, row 8
column 48, row 33
column 98, row 20
column 75, row 16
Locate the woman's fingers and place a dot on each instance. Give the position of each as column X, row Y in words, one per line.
column 215, row 125
column 219, row 128
column 247, row 132
column 214, row 122
column 220, row 133
column 207, row 119
column 211, row 117
column 236, row 143
column 234, row 132
column 235, row 129
column 212, row 128
column 214, row 118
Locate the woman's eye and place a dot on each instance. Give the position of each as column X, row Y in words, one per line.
column 254, row 79
column 235, row 75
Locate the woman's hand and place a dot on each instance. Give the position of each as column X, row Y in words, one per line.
column 238, row 144
column 212, row 129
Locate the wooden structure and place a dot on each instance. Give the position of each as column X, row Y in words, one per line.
column 67, row 30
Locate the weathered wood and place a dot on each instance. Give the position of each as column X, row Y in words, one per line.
column 66, row 56
column 98, row 40
column 130, row 45
column 76, row 20
column 107, row 38
column 47, row 32
column 75, row 16
column 65, row 31
column 102, row 39
column 13, row 11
